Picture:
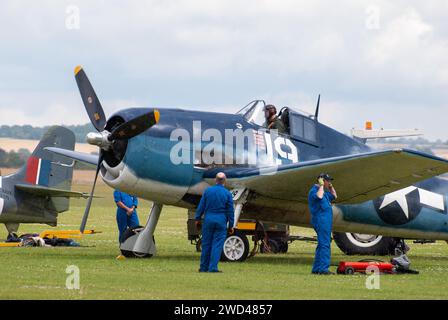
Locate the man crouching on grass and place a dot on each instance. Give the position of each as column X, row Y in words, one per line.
column 216, row 206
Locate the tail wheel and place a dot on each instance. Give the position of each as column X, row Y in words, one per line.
column 236, row 248
column 364, row 244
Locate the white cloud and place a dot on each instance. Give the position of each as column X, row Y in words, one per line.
column 224, row 53
column 408, row 43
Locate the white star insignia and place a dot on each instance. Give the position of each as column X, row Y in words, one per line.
column 399, row 197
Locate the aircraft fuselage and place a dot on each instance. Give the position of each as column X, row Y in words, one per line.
column 167, row 163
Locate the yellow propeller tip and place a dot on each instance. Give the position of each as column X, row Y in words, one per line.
column 156, row 115
column 77, row 69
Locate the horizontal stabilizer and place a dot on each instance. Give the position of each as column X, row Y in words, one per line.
column 50, row 192
column 78, row 156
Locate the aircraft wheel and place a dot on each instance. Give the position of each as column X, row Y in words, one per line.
column 364, row 244
column 284, row 246
column 131, row 254
column 273, row 246
column 142, row 255
column 236, row 248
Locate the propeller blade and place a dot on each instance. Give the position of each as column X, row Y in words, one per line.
column 90, row 100
column 89, row 201
column 135, row 126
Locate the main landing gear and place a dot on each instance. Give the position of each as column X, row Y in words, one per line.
column 139, row 242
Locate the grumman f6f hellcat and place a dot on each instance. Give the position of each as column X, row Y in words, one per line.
column 170, row 156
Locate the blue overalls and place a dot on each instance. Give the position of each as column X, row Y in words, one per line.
column 217, row 206
column 123, row 220
column 322, row 221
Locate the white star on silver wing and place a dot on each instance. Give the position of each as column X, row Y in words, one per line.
column 400, row 197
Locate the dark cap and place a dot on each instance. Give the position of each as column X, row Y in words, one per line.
column 270, row 106
column 325, row 176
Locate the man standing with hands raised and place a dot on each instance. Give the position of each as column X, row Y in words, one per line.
column 319, row 201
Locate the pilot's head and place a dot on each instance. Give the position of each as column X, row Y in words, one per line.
column 269, row 111
column 220, row 178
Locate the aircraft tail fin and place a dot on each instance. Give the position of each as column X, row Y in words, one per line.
column 47, row 169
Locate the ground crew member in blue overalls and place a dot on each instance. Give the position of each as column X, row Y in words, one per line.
column 319, row 200
column 217, row 207
column 126, row 212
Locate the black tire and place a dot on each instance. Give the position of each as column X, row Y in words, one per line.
column 349, row 270
column 131, row 254
column 127, row 234
column 241, row 252
column 357, row 244
column 284, row 246
column 274, row 246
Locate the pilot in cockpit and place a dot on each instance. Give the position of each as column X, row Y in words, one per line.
column 272, row 120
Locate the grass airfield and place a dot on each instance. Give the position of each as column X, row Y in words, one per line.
column 40, row 273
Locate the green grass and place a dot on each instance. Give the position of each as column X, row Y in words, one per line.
column 39, row 273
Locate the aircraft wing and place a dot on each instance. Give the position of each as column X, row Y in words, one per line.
column 51, row 192
column 78, row 156
column 358, row 178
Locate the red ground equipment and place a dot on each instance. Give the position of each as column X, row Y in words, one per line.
column 361, row 266
column 398, row 265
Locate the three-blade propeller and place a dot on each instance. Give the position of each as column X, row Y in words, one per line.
column 98, row 119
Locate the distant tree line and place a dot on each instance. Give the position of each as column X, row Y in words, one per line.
column 17, row 159
column 36, row 133
column 413, row 141
column 13, row 159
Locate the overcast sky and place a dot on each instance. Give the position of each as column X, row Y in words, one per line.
column 385, row 61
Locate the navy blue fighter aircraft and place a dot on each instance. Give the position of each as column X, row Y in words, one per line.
column 170, row 156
